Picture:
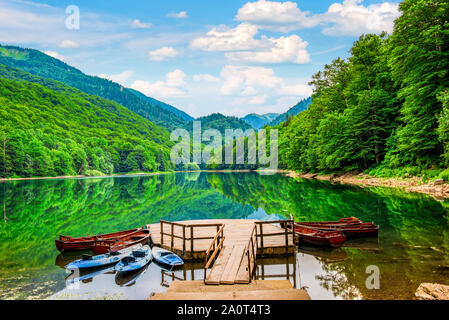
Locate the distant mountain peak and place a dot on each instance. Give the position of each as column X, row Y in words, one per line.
column 258, row 121
column 296, row 109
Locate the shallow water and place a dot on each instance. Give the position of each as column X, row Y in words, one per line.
column 413, row 244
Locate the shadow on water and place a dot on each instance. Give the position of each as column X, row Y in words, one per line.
column 412, row 246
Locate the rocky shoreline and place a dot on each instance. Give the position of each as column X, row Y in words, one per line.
column 439, row 189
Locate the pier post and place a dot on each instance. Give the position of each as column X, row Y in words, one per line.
column 183, row 240
column 162, row 232
column 172, row 236
column 191, row 241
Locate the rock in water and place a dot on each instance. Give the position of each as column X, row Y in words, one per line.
column 432, row 291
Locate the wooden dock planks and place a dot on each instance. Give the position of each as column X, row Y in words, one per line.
column 231, row 266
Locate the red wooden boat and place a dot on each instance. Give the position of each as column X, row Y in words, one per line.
column 105, row 246
column 351, row 227
column 66, row 243
column 314, row 236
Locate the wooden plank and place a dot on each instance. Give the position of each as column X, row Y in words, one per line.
column 219, row 265
column 242, row 275
column 232, row 267
column 199, row 286
column 280, row 294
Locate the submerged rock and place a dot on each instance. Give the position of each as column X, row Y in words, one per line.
column 432, row 291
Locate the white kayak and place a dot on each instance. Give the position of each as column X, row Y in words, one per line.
column 167, row 258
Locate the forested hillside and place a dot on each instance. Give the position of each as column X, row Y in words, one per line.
column 293, row 111
column 50, row 129
column 385, row 107
column 40, row 64
column 221, row 123
column 163, row 105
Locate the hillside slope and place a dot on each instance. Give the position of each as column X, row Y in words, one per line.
column 221, row 123
column 40, row 64
column 295, row 110
column 183, row 115
column 63, row 131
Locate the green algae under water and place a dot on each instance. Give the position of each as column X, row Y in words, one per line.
column 413, row 243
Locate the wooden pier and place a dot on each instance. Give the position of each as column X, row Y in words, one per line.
column 229, row 248
column 257, row 290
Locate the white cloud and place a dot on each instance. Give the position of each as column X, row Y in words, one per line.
column 171, row 87
column 238, row 78
column 241, row 46
column 223, row 38
column 163, row 53
column 252, row 100
column 56, row 55
column 256, row 85
column 350, row 18
column 69, row 44
column 119, row 78
column 284, row 49
column 179, row 15
column 294, row 89
column 141, row 25
column 277, row 16
column 205, row 77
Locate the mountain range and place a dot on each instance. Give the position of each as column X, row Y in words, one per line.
column 56, row 120
column 259, row 121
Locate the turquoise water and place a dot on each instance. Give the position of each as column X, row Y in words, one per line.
column 412, row 247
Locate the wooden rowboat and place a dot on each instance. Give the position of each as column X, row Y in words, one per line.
column 351, row 227
column 66, row 243
column 359, row 230
column 314, row 236
column 105, row 246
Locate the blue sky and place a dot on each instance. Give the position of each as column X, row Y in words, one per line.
column 234, row 57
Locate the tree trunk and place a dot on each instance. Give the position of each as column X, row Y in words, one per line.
column 5, row 140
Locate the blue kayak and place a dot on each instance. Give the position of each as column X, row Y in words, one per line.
column 135, row 261
column 167, row 258
column 88, row 262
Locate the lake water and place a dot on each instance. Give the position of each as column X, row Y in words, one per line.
column 413, row 243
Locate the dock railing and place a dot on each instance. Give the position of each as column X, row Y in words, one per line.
column 186, row 238
column 251, row 253
column 285, row 224
column 214, row 249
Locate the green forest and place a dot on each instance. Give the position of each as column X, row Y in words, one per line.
column 42, row 65
column 385, row 108
column 63, row 131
